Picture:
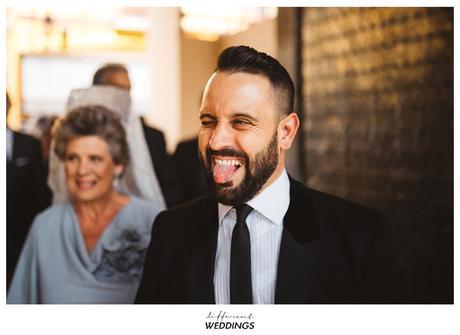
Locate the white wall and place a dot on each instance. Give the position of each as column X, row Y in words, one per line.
column 262, row 36
column 198, row 63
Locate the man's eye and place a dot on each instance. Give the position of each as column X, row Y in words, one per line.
column 240, row 122
column 206, row 123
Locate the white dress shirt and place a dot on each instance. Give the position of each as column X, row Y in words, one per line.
column 265, row 224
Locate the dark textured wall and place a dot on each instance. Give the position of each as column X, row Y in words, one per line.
column 378, row 126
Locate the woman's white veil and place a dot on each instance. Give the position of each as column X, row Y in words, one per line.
column 139, row 178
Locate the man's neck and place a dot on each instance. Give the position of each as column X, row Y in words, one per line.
column 273, row 178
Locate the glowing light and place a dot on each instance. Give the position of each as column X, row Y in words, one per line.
column 209, row 23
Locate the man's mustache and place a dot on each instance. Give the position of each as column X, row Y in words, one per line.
column 226, row 152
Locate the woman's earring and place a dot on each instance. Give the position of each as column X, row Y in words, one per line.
column 116, row 181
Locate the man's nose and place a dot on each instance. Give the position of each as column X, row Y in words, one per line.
column 221, row 137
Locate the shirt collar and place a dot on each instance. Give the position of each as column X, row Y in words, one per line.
column 272, row 203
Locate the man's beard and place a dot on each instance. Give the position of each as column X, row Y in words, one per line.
column 255, row 177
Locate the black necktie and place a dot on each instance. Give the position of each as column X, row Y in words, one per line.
column 240, row 261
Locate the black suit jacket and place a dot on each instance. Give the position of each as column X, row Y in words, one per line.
column 332, row 251
column 27, row 194
column 189, row 170
column 163, row 165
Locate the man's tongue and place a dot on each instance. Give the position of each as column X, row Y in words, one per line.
column 222, row 173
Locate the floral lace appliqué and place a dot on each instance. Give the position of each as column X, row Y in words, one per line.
column 123, row 258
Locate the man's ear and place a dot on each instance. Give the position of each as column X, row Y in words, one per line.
column 287, row 129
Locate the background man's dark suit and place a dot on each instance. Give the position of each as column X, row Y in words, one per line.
column 163, row 165
column 189, row 170
column 332, row 251
column 26, row 194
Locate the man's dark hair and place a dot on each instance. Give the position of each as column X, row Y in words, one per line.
column 246, row 59
column 101, row 75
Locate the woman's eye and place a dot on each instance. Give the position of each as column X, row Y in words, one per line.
column 70, row 158
column 95, row 159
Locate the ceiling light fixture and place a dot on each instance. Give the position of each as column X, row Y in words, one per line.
column 209, row 23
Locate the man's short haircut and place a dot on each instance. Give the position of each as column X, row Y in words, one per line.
column 92, row 121
column 246, row 59
column 101, row 75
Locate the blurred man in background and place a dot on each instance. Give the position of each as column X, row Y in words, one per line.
column 26, row 191
column 190, row 171
column 117, row 75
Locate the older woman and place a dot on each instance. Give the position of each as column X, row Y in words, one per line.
column 139, row 177
column 89, row 249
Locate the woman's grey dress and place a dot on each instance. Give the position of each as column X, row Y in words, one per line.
column 56, row 268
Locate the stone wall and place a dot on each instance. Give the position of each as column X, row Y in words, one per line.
column 378, row 126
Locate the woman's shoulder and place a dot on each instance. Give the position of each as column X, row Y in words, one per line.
column 134, row 221
column 46, row 220
column 52, row 211
column 142, row 207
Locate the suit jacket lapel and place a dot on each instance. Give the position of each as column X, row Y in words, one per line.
column 202, row 260
column 299, row 247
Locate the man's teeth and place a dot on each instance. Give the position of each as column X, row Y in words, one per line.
column 228, row 162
